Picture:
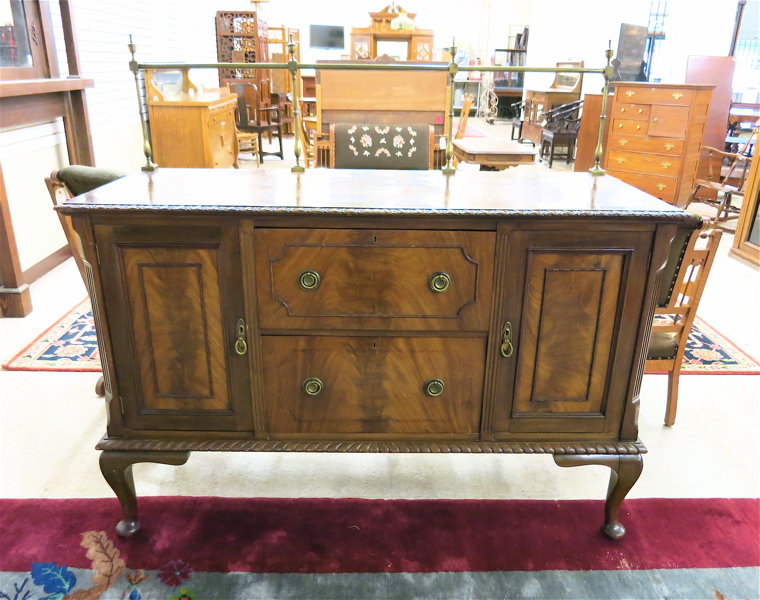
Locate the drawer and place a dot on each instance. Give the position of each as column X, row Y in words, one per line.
column 374, row 279
column 646, row 95
column 661, row 187
column 632, row 111
column 641, row 162
column 629, row 127
column 635, row 143
column 323, row 385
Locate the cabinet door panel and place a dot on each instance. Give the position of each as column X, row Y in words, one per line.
column 178, row 304
column 571, row 302
column 669, row 121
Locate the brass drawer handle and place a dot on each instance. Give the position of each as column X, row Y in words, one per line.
column 622, row 142
column 312, row 386
column 677, row 95
column 309, row 280
column 630, row 93
column 620, row 161
column 654, row 121
column 641, row 110
column 241, row 347
column 506, row 340
column 439, row 282
column 622, row 110
column 669, row 146
column 434, row 387
column 665, row 164
column 661, row 186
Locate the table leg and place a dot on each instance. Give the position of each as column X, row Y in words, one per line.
column 625, row 472
column 116, row 466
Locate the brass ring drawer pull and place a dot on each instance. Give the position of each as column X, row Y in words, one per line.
column 434, row 387
column 309, row 280
column 439, row 282
column 312, row 386
column 241, row 347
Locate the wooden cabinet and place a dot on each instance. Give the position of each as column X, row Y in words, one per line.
column 190, row 128
column 565, row 88
column 242, row 37
column 373, row 311
column 383, row 37
column 655, row 135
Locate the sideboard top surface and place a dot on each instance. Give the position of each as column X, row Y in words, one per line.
column 414, row 193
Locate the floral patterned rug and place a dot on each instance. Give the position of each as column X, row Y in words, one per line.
column 71, row 345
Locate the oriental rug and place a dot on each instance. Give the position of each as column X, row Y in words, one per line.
column 71, row 345
column 240, row 548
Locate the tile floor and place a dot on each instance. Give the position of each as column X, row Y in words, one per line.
column 50, row 422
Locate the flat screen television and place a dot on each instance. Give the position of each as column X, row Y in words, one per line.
column 326, row 36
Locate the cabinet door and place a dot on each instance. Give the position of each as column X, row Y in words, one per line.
column 174, row 298
column 573, row 304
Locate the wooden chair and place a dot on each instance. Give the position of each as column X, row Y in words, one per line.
column 462, row 124
column 726, row 179
column 65, row 184
column 381, row 146
column 248, row 143
column 670, row 331
column 256, row 117
column 561, row 129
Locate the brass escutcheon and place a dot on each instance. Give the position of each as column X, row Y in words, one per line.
column 506, row 340
column 241, row 347
column 630, row 93
column 312, row 386
column 309, row 280
column 661, row 186
column 677, row 95
column 434, row 387
column 665, row 164
column 439, row 282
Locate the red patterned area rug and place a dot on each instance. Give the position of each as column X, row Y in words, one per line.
column 71, row 345
column 209, row 547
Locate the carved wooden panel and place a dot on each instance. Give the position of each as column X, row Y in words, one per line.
column 175, row 310
column 373, row 385
column 374, row 278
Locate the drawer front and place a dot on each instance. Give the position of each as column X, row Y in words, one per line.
column 669, row 121
column 661, row 187
column 323, row 385
column 221, row 136
column 629, row 127
column 374, row 279
column 640, row 162
column 632, row 111
column 645, row 95
column 635, row 143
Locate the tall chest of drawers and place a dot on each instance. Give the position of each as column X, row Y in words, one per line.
column 655, row 137
column 373, row 311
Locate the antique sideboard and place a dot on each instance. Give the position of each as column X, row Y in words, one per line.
column 373, row 311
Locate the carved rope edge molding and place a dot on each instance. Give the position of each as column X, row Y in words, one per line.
column 609, row 448
column 391, row 212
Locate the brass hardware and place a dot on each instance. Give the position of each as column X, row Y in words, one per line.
column 622, row 142
column 621, row 126
column 661, row 186
column 669, row 146
column 434, row 387
column 665, row 164
column 241, row 347
column 638, row 126
column 620, row 161
column 641, row 110
column 630, row 93
column 312, row 386
column 677, row 95
column 654, row 121
column 622, row 110
column 309, row 280
column 439, row 282
column 506, row 340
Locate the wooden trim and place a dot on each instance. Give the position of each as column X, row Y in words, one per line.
column 741, row 246
column 15, row 297
column 47, row 264
column 26, row 87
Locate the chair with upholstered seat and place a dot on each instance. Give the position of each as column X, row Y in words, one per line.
column 676, row 310
column 65, row 184
column 381, row 146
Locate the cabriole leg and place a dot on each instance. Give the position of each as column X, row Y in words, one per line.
column 116, row 466
column 625, row 472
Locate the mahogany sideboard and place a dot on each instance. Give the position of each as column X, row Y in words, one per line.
column 373, row 311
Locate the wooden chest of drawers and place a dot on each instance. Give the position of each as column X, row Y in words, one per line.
column 655, row 135
column 373, row 311
column 194, row 132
